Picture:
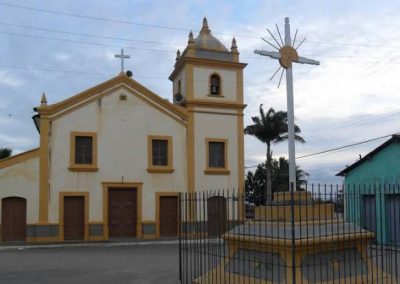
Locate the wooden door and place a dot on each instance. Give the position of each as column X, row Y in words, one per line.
column 216, row 215
column 74, row 217
column 369, row 213
column 393, row 218
column 168, row 216
column 13, row 219
column 122, row 213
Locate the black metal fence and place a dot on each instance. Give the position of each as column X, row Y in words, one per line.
column 324, row 234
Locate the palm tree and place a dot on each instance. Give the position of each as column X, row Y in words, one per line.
column 5, row 153
column 271, row 128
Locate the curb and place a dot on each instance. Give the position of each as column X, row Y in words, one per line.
column 77, row 245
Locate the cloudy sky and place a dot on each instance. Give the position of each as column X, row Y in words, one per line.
column 64, row 47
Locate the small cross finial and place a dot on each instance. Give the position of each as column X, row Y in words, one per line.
column 122, row 56
column 234, row 45
column 178, row 54
column 43, row 100
column 191, row 39
column 205, row 27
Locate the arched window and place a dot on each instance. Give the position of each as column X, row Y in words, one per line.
column 215, row 85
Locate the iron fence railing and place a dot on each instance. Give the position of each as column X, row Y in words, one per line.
column 323, row 234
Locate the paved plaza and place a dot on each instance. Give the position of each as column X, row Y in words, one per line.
column 93, row 264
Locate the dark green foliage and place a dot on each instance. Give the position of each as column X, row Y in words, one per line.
column 5, row 153
column 254, row 183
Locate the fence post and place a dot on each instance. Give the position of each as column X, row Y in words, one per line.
column 293, row 233
column 180, row 235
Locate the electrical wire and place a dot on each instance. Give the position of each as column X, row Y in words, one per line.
column 344, row 147
column 82, row 34
column 95, row 18
column 169, row 51
column 336, row 148
column 85, row 42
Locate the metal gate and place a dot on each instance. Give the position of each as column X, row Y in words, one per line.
column 298, row 237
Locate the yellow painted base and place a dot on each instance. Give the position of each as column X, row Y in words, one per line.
column 219, row 275
column 301, row 212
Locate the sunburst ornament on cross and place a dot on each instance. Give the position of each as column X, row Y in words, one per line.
column 287, row 54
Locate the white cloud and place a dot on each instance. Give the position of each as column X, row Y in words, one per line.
column 9, row 80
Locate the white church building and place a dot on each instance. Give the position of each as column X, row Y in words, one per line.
column 112, row 159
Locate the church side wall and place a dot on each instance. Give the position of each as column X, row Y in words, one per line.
column 22, row 180
column 122, row 129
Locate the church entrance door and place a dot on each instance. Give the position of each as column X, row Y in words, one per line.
column 122, row 212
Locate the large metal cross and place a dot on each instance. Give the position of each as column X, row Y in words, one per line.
column 286, row 55
column 123, row 57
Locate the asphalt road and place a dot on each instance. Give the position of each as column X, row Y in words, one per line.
column 117, row 265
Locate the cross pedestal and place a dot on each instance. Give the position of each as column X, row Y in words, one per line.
column 318, row 247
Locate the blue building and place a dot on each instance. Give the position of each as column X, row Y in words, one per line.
column 372, row 191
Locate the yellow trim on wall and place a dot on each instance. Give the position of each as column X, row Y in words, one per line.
column 190, row 154
column 121, row 78
column 205, row 62
column 44, row 186
column 213, row 170
column 240, row 157
column 19, row 158
column 217, row 112
column 130, row 90
column 215, row 104
column 169, row 168
column 158, row 195
column 63, row 194
column 83, row 167
column 126, row 185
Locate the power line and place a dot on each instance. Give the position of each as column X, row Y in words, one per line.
column 335, row 149
column 81, row 34
column 107, row 19
column 48, row 11
column 84, row 42
column 155, row 42
column 344, row 147
column 331, row 131
column 41, row 69
column 165, row 51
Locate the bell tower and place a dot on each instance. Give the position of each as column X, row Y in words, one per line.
column 208, row 81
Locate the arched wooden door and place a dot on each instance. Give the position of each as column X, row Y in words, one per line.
column 216, row 215
column 13, row 219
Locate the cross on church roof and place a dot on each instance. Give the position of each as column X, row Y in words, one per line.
column 123, row 57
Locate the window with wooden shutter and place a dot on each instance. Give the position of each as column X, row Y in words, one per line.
column 83, row 151
column 216, row 156
column 160, row 154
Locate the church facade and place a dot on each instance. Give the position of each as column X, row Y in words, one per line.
column 112, row 160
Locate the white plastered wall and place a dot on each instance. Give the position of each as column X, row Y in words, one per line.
column 208, row 125
column 22, row 180
column 122, row 129
column 180, row 77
